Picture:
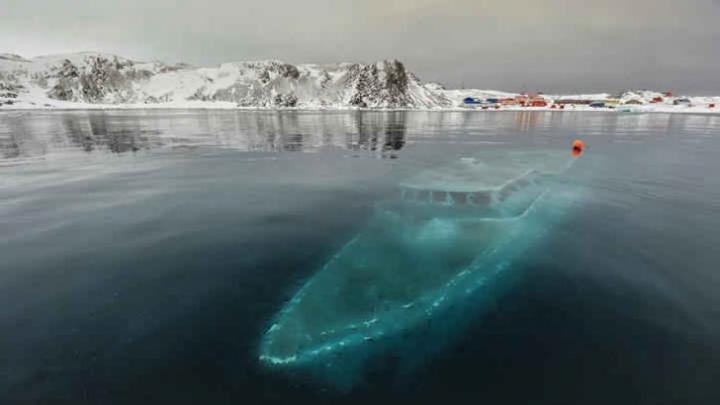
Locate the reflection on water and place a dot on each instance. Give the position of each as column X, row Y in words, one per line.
column 143, row 253
column 36, row 135
column 122, row 132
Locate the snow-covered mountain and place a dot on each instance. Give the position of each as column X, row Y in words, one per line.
column 101, row 79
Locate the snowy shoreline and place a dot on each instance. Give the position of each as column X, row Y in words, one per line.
column 225, row 107
column 95, row 81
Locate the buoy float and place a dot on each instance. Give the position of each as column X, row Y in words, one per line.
column 577, row 147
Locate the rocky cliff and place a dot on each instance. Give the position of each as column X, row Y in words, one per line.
column 96, row 79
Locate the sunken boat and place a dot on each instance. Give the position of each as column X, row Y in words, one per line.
column 449, row 231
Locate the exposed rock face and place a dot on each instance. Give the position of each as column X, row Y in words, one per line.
column 381, row 84
column 108, row 79
column 9, row 89
column 96, row 80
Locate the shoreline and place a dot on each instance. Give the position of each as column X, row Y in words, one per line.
column 171, row 107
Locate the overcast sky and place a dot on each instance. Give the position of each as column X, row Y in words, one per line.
column 543, row 45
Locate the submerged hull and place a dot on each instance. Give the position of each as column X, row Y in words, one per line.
column 413, row 261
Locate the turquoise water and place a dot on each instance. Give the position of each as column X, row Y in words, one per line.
column 145, row 255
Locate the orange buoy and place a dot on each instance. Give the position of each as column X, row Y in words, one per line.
column 577, row 147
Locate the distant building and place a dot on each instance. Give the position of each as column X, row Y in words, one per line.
column 472, row 100
column 572, row 101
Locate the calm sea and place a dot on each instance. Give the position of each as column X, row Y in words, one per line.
column 143, row 254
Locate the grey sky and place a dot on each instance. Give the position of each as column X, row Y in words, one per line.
column 554, row 46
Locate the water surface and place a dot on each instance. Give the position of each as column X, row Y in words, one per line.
column 144, row 254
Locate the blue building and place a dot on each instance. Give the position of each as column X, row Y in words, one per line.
column 472, row 100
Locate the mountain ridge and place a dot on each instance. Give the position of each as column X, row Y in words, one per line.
column 97, row 80
column 92, row 78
